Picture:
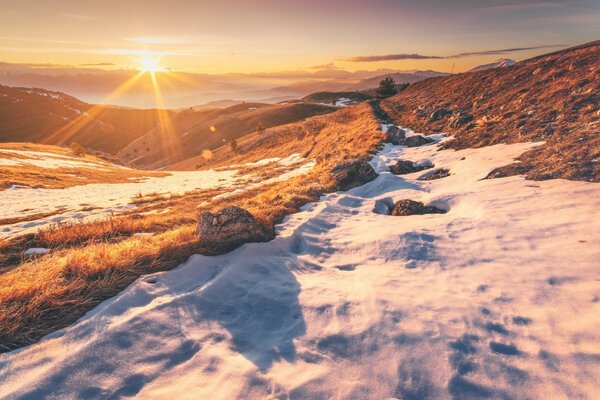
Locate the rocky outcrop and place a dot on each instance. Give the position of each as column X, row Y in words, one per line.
column 439, row 114
column 228, row 229
column 411, row 207
column 351, row 174
column 395, row 135
column 403, row 167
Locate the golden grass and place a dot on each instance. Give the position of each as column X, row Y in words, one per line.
column 94, row 261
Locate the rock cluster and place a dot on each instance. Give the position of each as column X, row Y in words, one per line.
column 228, row 229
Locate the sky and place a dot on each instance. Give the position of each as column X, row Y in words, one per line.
column 227, row 36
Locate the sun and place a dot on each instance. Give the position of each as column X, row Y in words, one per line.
column 148, row 63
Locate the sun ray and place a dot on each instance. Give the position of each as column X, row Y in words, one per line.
column 171, row 144
column 63, row 134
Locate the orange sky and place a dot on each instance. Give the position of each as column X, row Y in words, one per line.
column 272, row 35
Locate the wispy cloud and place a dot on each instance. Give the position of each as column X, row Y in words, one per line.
column 520, row 6
column 101, row 64
column 158, row 40
column 390, row 57
column 77, row 16
column 414, row 56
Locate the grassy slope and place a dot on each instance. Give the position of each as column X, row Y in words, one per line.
column 195, row 131
column 517, row 103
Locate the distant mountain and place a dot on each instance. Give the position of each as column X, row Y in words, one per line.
column 44, row 116
column 502, row 62
column 399, row 77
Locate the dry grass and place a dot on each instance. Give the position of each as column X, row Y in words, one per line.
column 94, row 261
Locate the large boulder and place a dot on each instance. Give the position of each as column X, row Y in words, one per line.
column 228, row 229
column 417, row 140
column 395, row 135
column 406, row 167
column 439, row 114
column 411, row 207
column 351, row 174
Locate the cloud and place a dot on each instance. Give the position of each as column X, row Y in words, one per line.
column 519, row 7
column 157, row 40
column 503, row 51
column 390, row 57
column 101, row 64
column 330, row 66
column 77, row 16
column 403, row 56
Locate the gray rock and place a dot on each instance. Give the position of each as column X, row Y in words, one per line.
column 439, row 174
column 351, row 174
column 411, row 207
column 439, row 114
column 406, row 167
column 461, row 119
column 395, row 135
column 228, row 229
column 417, row 140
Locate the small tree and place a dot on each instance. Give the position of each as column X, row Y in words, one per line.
column 260, row 128
column 234, row 146
column 387, row 88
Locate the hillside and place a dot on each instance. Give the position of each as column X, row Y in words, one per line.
column 399, row 77
column 552, row 98
column 192, row 131
column 335, row 98
column 43, row 116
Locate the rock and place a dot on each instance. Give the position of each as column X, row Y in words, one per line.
column 395, row 135
column 36, row 251
column 461, row 119
column 351, row 174
column 440, row 173
column 406, row 167
column 548, row 130
column 411, row 207
column 420, row 113
column 417, row 140
column 228, row 229
column 439, row 114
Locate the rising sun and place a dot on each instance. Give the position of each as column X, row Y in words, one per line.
column 150, row 64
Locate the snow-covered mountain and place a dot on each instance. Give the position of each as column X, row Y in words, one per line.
column 501, row 62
